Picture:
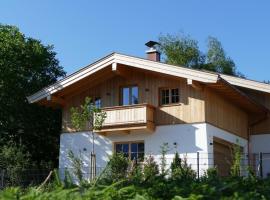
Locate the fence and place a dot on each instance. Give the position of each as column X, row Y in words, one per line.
column 22, row 177
column 199, row 162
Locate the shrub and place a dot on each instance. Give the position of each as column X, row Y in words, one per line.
column 14, row 159
column 116, row 168
column 150, row 168
column 181, row 170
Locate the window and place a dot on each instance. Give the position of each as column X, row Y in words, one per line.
column 98, row 102
column 169, row 96
column 129, row 95
column 175, row 95
column 132, row 150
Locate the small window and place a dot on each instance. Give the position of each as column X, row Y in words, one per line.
column 129, row 95
column 98, row 102
column 169, row 96
column 132, row 150
column 175, row 95
column 165, row 96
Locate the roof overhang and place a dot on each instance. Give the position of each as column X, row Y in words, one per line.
column 177, row 71
column 233, row 94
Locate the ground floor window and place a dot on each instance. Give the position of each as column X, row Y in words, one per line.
column 132, row 150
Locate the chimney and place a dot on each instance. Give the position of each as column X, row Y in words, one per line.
column 152, row 53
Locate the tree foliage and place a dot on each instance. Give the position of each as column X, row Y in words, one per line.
column 183, row 50
column 87, row 116
column 26, row 66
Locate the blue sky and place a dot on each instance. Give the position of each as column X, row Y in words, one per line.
column 83, row 31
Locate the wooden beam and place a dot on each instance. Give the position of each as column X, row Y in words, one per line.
column 194, row 84
column 122, row 71
column 58, row 100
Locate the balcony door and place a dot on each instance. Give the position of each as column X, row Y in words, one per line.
column 129, row 95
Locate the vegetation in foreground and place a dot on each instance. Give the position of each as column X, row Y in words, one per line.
column 123, row 179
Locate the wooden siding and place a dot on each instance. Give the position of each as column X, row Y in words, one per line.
column 264, row 99
column 131, row 117
column 195, row 106
column 225, row 115
column 189, row 110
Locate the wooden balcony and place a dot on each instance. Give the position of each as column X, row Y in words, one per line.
column 127, row 118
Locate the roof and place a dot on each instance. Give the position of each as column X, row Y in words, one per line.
column 178, row 71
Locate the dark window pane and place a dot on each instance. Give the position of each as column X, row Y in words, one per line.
column 141, row 147
column 134, row 147
column 98, row 102
column 175, row 95
column 125, row 96
column 165, row 97
column 118, row 148
column 133, row 156
column 125, row 148
column 140, row 156
column 135, row 95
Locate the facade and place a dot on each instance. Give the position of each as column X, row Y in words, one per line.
column 149, row 103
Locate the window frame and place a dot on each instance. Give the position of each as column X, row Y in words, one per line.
column 121, row 103
column 170, row 96
column 129, row 148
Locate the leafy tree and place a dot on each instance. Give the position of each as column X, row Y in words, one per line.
column 217, row 60
column 181, row 50
column 90, row 117
column 26, row 66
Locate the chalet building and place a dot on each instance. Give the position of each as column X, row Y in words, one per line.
column 149, row 103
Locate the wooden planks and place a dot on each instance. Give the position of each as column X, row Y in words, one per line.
column 189, row 110
column 225, row 115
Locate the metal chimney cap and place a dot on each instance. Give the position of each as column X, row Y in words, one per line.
column 151, row 43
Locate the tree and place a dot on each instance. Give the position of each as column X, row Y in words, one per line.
column 217, row 60
column 90, row 117
column 184, row 51
column 181, row 50
column 26, row 66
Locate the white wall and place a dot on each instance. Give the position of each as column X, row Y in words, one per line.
column 261, row 143
column 189, row 139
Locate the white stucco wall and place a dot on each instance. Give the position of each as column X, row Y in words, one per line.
column 189, row 139
column 261, row 143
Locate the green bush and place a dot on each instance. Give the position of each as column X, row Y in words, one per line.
column 116, row 169
column 14, row 160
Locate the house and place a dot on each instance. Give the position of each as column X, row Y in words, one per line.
column 149, row 103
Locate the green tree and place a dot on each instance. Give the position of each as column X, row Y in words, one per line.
column 26, row 66
column 217, row 60
column 88, row 116
column 181, row 50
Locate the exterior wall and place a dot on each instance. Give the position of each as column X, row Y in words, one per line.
column 264, row 99
column 189, row 110
column 225, row 115
column 260, row 143
column 189, row 139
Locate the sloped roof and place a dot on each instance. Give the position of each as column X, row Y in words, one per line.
column 178, row 71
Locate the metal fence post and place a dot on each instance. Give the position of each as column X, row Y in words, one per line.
column 198, row 164
column 261, row 167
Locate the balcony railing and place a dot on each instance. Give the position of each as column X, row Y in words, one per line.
column 131, row 117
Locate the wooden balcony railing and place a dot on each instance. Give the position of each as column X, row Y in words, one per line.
column 131, row 117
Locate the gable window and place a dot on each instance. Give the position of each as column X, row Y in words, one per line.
column 131, row 150
column 169, row 96
column 129, row 95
